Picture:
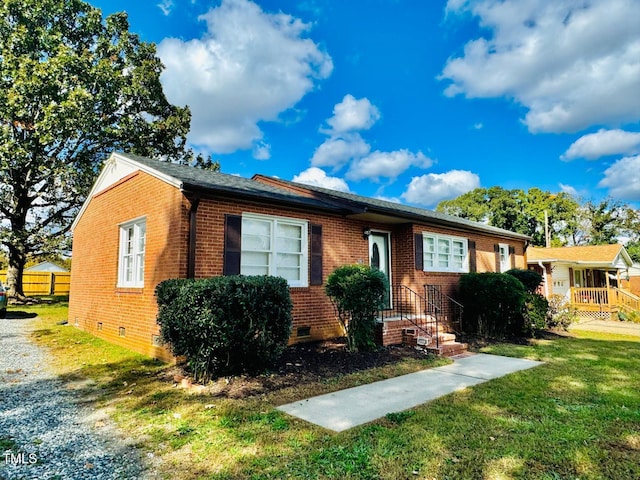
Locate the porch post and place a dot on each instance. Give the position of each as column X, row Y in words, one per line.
column 606, row 276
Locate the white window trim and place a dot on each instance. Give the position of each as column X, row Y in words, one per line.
column 450, row 238
column 304, row 224
column 506, row 265
column 123, row 227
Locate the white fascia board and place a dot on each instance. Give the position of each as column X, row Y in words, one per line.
column 115, row 168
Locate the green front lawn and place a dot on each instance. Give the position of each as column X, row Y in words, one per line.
column 577, row 416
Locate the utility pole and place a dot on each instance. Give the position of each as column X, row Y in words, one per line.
column 547, row 237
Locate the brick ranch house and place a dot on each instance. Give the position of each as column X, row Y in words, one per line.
column 146, row 220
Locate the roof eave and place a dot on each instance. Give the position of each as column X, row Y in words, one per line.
column 450, row 223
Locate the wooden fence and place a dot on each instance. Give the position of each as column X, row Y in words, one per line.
column 43, row 283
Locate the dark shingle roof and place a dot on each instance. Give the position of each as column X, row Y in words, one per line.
column 375, row 205
column 206, row 181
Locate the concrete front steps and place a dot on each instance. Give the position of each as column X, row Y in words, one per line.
column 447, row 345
column 396, row 331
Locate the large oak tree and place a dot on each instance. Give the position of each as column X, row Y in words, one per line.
column 74, row 86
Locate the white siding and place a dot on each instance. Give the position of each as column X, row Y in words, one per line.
column 561, row 282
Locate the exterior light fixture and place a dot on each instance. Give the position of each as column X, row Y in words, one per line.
column 366, row 232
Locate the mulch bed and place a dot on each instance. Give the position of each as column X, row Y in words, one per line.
column 306, row 363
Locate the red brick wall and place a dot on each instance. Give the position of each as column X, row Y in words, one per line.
column 342, row 244
column 94, row 295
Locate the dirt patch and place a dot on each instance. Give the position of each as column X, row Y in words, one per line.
column 303, row 364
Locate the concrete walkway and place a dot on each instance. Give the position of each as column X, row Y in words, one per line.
column 345, row 409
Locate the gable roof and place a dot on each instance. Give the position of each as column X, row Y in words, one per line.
column 587, row 254
column 260, row 188
column 365, row 207
column 194, row 180
column 206, row 181
column 46, row 267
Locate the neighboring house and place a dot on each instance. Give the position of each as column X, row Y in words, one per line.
column 590, row 277
column 46, row 267
column 632, row 281
column 145, row 221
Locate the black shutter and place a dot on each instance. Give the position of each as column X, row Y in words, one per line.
column 232, row 244
column 496, row 249
column 473, row 261
column 512, row 255
column 316, row 255
column 419, row 260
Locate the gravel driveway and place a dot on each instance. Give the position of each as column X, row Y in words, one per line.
column 44, row 432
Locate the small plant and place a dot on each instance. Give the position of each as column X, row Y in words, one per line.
column 633, row 317
column 561, row 312
column 358, row 293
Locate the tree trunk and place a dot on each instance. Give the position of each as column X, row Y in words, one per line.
column 15, row 271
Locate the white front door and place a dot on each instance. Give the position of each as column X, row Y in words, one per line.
column 380, row 258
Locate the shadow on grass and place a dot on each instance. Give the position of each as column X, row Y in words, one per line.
column 18, row 314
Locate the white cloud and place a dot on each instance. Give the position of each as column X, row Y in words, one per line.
column 166, row 6
column 568, row 189
column 603, row 143
column 316, row 176
column 623, row 179
column 261, row 151
column 571, row 63
column 388, row 199
column 386, row 164
column 248, row 67
column 353, row 115
column 337, row 151
column 432, row 188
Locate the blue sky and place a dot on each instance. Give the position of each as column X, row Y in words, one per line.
column 414, row 101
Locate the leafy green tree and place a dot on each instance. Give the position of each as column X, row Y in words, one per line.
column 633, row 249
column 73, row 87
column 519, row 211
column 604, row 222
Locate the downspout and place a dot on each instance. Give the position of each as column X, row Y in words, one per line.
column 546, row 283
column 191, row 256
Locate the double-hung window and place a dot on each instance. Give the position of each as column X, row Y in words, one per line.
column 133, row 236
column 444, row 253
column 275, row 246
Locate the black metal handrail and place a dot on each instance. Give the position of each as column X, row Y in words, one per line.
column 450, row 309
column 406, row 304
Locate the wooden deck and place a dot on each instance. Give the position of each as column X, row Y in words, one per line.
column 603, row 300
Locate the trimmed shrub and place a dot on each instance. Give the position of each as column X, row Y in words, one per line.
column 493, row 304
column 536, row 313
column 225, row 325
column 358, row 293
column 529, row 278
